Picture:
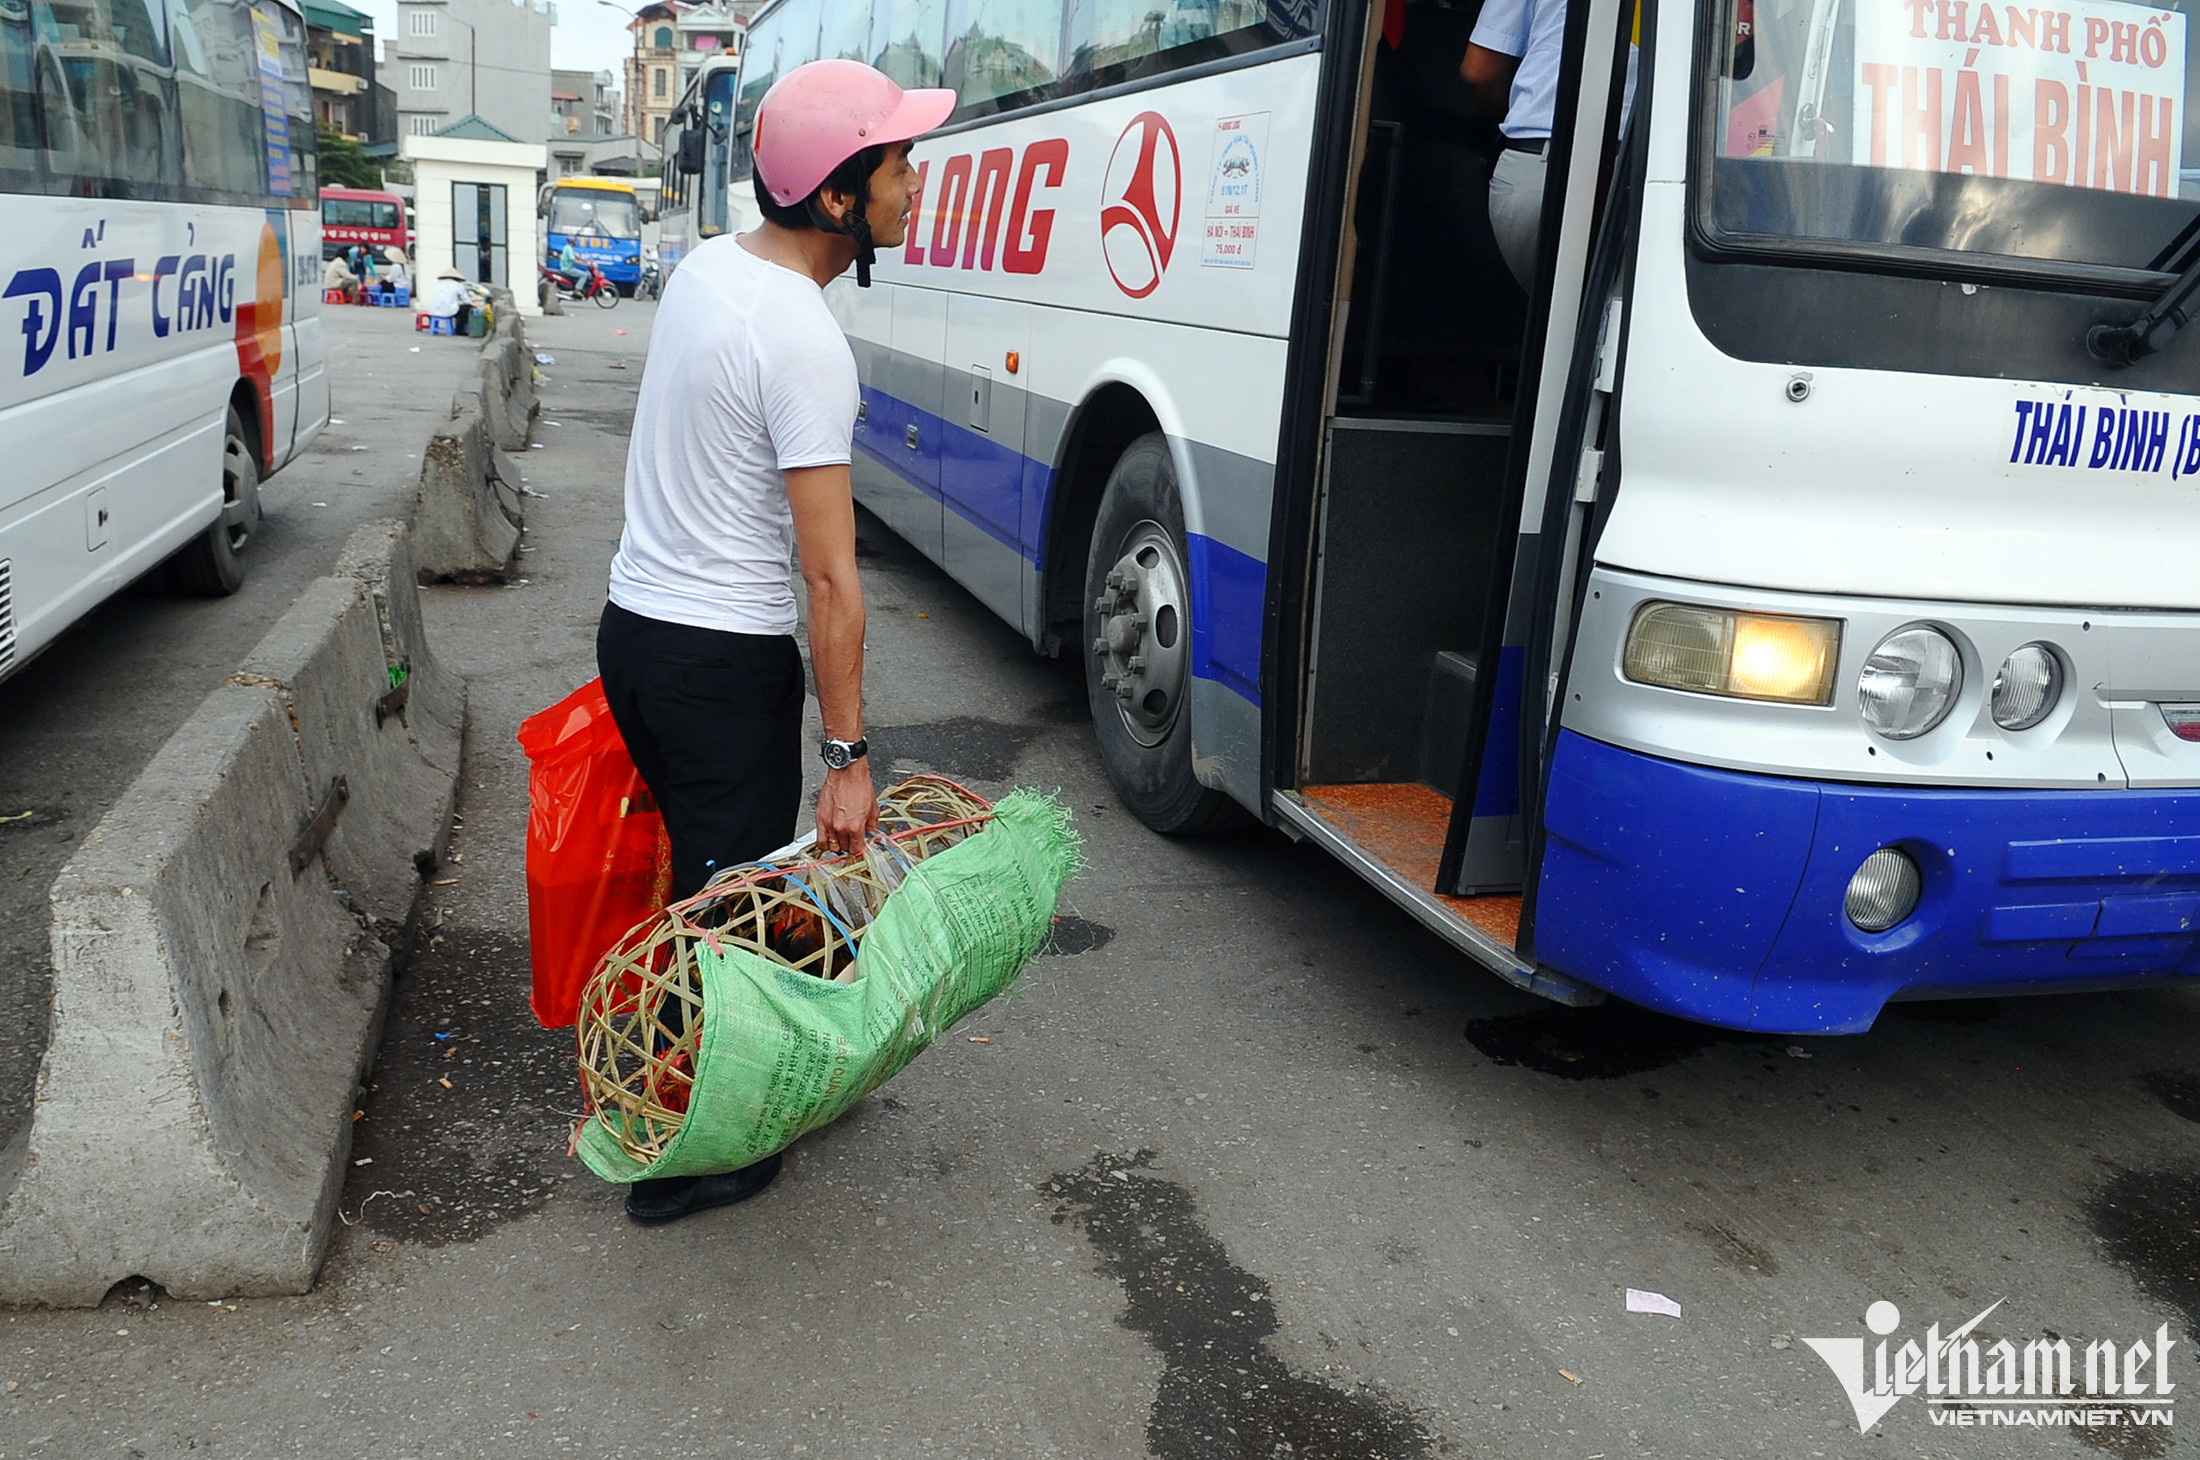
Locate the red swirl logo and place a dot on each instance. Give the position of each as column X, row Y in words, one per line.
column 1140, row 201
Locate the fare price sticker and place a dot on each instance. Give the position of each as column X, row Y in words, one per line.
column 1230, row 233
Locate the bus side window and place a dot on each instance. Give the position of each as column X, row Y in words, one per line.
column 109, row 105
column 847, row 32
column 305, row 181
column 218, row 76
column 1000, row 48
column 907, row 39
column 20, row 132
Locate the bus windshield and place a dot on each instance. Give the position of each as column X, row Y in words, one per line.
column 2050, row 133
column 594, row 213
column 357, row 213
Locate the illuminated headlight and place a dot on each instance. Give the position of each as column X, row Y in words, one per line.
column 1910, row 682
column 1884, row 890
column 1750, row 656
column 2026, row 687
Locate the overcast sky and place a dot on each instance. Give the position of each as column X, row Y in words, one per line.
column 587, row 37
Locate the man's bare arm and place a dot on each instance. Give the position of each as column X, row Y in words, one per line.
column 1490, row 74
column 825, row 529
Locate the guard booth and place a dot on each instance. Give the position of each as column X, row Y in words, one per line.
column 474, row 189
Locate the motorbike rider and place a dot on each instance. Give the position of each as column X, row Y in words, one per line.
column 569, row 264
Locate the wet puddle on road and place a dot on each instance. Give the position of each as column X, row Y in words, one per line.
column 1221, row 1392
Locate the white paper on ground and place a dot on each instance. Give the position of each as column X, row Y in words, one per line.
column 1641, row 1301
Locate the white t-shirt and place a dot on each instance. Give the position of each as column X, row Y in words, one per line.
column 748, row 376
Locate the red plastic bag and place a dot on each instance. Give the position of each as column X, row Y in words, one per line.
column 598, row 860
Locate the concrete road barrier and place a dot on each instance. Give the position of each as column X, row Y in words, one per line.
column 217, row 996
column 508, row 387
column 469, row 515
column 379, row 555
column 461, row 532
column 214, row 1007
column 325, row 658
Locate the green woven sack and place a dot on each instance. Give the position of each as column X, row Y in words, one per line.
column 783, row 1053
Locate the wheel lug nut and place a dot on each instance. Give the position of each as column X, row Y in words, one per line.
column 1136, row 664
column 1100, row 646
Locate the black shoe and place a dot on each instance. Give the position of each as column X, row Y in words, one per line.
column 669, row 1198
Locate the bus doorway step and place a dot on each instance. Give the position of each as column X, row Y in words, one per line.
column 1392, row 834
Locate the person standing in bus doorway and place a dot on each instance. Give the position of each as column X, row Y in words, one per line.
column 1512, row 63
column 740, row 453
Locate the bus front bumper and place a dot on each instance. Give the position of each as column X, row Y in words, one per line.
column 1717, row 895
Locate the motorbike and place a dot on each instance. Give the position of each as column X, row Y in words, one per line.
column 652, row 285
column 598, row 288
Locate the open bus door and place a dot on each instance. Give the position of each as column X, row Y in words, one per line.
column 1443, row 508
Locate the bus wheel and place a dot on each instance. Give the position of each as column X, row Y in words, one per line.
column 1138, row 647
column 212, row 565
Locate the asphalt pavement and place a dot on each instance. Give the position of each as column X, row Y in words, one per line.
column 1250, row 1166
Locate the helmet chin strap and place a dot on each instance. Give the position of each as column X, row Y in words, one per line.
column 855, row 226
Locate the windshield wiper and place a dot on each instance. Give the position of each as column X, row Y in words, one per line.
column 2172, row 310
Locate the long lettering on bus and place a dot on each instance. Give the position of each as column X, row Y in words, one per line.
column 983, row 191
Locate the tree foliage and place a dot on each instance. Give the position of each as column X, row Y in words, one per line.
column 344, row 164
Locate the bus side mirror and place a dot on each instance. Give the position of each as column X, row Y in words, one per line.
column 691, row 150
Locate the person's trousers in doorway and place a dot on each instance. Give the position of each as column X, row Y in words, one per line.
column 1516, row 209
column 714, row 723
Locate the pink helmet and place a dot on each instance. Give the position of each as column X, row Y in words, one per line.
column 818, row 116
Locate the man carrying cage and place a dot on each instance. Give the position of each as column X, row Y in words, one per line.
column 740, row 453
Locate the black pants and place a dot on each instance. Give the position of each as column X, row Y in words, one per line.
column 714, row 723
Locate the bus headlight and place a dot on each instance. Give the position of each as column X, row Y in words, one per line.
column 1884, row 890
column 1750, row 656
column 1910, row 682
column 2026, row 687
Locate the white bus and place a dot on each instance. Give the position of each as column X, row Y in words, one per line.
column 1779, row 609
column 694, row 199
column 160, row 335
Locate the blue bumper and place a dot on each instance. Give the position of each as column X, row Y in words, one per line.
column 1717, row 895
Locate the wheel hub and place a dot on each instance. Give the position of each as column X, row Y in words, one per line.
column 240, row 494
column 1143, row 627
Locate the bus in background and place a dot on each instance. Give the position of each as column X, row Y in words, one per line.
column 374, row 220
column 602, row 218
column 159, row 296
column 1781, row 606
column 694, row 202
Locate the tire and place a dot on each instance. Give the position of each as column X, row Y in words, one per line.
column 608, row 297
column 212, row 565
column 1138, row 648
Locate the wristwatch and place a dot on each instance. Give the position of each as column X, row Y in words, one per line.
column 841, row 754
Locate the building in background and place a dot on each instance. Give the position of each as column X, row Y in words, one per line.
column 703, row 31
column 652, row 71
column 585, row 140
column 488, row 59
column 583, row 104
column 474, row 196
column 340, row 50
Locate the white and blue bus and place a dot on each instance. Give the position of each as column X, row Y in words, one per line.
column 693, row 199
column 161, row 349
column 1785, row 606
